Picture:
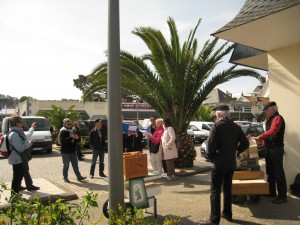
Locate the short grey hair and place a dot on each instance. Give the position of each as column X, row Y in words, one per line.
column 66, row 120
column 223, row 113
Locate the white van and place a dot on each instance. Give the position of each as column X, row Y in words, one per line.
column 201, row 130
column 41, row 137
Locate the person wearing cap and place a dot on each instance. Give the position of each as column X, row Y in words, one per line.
column 68, row 139
column 18, row 143
column 226, row 140
column 274, row 142
column 97, row 142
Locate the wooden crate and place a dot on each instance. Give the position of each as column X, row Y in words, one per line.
column 248, row 175
column 246, row 187
column 135, row 165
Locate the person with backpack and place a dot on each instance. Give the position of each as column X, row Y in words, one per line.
column 18, row 143
column 274, row 142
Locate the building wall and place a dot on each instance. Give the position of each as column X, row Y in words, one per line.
column 93, row 109
column 284, row 80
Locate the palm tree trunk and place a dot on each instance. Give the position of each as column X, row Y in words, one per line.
column 186, row 151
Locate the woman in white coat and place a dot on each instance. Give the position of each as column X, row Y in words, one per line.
column 169, row 149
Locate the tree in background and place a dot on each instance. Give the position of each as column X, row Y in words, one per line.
column 56, row 116
column 24, row 98
column 174, row 79
column 205, row 113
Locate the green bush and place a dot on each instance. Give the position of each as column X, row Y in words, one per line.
column 34, row 212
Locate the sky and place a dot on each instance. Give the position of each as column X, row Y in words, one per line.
column 45, row 44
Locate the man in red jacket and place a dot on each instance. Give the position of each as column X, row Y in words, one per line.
column 274, row 141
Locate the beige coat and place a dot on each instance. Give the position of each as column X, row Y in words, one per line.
column 169, row 150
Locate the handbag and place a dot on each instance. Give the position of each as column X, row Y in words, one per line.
column 26, row 155
column 154, row 148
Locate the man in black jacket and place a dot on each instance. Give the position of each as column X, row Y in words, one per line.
column 68, row 150
column 97, row 142
column 225, row 140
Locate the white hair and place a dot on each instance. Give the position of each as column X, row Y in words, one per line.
column 223, row 113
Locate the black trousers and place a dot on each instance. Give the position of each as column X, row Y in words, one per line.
column 18, row 173
column 275, row 171
column 27, row 177
column 219, row 177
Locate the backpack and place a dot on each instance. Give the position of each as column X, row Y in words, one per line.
column 4, row 145
column 295, row 187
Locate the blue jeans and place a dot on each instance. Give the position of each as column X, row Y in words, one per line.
column 67, row 158
column 101, row 154
column 219, row 176
column 275, row 171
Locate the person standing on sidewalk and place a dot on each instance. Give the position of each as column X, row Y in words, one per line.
column 97, row 142
column 151, row 128
column 274, row 141
column 68, row 150
column 169, row 149
column 155, row 150
column 76, row 129
column 27, row 176
column 18, row 143
column 225, row 140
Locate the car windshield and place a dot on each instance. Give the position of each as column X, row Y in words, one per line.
column 245, row 128
column 42, row 124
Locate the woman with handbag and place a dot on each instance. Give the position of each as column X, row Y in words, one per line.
column 155, row 150
column 169, row 148
column 18, row 143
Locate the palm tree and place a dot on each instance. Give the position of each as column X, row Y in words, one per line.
column 56, row 116
column 205, row 113
column 178, row 81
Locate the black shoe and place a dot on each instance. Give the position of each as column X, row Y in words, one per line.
column 67, row 180
column 81, row 178
column 22, row 188
column 102, row 175
column 228, row 218
column 81, row 159
column 33, row 188
column 279, row 200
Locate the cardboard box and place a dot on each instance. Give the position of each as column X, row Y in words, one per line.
column 248, row 175
column 246, row 187
column 135, row 165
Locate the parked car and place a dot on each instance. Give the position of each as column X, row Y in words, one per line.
column 254, row 129
column 199, row 135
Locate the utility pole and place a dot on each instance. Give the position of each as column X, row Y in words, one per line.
column 115, row 141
